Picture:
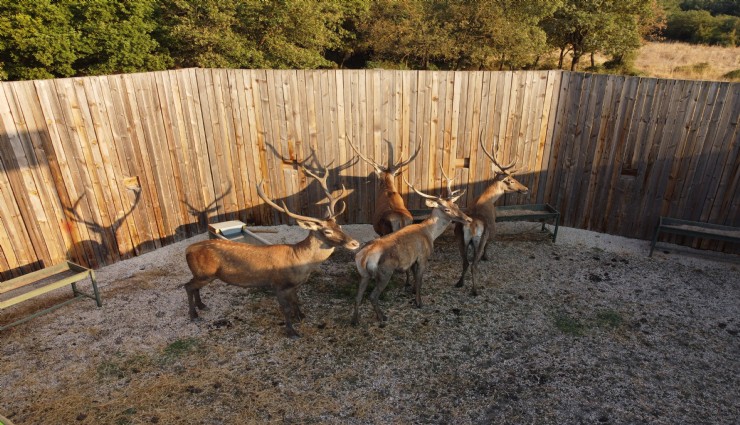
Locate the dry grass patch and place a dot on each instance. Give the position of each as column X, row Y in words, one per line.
column 688, row 61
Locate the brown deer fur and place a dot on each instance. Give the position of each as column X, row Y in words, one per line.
column 283, row 268
column 407, row 249
column 483, row 212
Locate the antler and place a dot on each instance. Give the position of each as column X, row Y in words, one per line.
column 504, row 168
column 378, row 168
column 450, row 193
column 332, row 200
column 284, row 208
column 418, row 192
column 392, row 168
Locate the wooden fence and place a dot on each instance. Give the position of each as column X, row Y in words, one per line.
column 611, row 153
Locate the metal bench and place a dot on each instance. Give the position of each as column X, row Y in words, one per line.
column 40, row 282
column 695, row 229
column 526, row 212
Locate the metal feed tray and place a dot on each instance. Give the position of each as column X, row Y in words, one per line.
column 236, row 231
column 526, row 212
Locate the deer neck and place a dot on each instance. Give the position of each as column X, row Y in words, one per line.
column 387, row 183
column 490, row 195
column 436, row 223
column 313, row 248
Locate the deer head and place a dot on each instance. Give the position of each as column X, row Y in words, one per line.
column 502, row 175
column 447, row 206
column 325, row 229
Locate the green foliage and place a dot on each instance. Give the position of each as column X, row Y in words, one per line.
column 699, row 26
column 705, row 22
column 254, row 34
column 456, row 34
column 614, row 28
column 116, row 37
column 715, row 7
column 62, row 38
column 37, row 39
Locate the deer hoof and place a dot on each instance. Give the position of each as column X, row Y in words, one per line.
column 459, row 284
column 474, row 293
column 292, row 334
column 202, row 307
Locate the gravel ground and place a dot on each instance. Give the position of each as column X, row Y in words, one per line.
column 586, row 330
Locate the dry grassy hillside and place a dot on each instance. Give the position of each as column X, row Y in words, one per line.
column 688, row 61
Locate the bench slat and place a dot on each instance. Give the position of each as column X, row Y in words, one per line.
column 32, row 277
column 44, row 289
column 694, row 229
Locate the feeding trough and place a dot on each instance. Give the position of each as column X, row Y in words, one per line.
column 236, row 231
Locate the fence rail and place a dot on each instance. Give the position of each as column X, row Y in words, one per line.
column 611, row 153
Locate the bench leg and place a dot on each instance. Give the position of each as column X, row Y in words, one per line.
column 95, row 289
column 655, row 240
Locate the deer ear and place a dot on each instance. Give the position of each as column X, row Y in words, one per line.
column 308, row 225
column 431, row 203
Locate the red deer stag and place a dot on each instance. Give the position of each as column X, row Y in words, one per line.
column 483, row 212
column 283, row 268
column 404, row 250
column 390, row 213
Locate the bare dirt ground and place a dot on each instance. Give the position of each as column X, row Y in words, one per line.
column 586, row 330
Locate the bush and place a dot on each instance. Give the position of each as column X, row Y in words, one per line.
column 699, row 26
column 697, row 70
column 732, row 75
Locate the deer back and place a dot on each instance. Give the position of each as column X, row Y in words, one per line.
column 249, row 265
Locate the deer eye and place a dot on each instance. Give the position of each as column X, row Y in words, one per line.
column 328, row 232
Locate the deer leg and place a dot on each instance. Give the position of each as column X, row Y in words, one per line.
column 361, row 288
column 198, row 302
column 408, row 287
column 418, row 269
column 381, row 281
column 193, row 290
column 283, row 298
column 484, row 252
column 297, row 313
column 463, row 245
column 479, row 250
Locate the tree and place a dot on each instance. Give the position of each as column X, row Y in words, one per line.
column 116, row 37
column 699, row 26
column 37, row 40
column 587, row 26
column 206, row 33
column 457, row 34
column 403, row 33
column 296, row 33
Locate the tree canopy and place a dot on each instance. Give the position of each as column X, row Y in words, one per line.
column 62, row 38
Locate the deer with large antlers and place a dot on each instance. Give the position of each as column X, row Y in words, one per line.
column 477, row 233
column 283, row 268
column 407, row 249
column 390, row 213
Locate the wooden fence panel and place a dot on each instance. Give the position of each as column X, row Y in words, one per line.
column 611, row 152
